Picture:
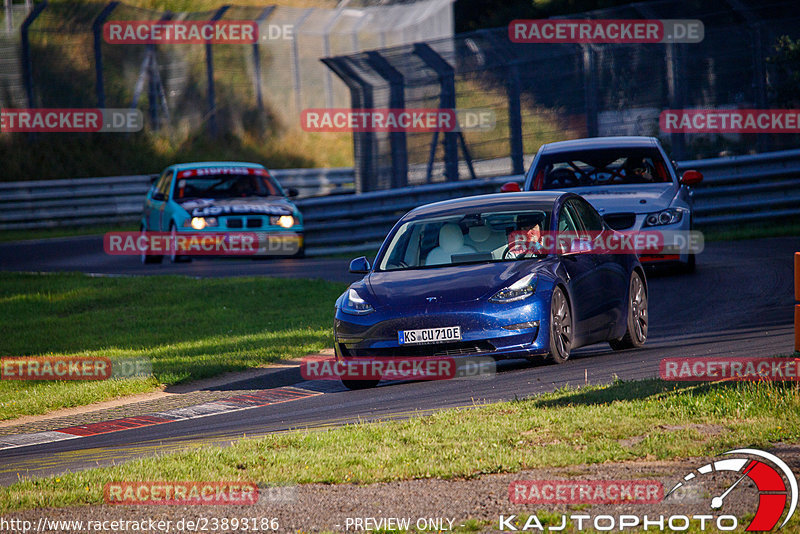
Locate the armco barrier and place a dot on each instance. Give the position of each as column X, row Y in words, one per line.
column 735, row 189
column 118, row 199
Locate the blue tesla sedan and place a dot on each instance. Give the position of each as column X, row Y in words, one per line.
column 450, row 281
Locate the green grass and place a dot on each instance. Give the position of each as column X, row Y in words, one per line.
column 568, row 427
column 187, row 328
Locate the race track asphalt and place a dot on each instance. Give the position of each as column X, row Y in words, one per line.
column 738, row 303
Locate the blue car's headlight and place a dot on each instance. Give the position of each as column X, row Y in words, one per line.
column 284, row 221
column 521, row 289
column 660, row 218
column 353, row 304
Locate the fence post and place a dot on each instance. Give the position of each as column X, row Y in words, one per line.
column 257, row 58
column 360, row 98
column 298, row 100
column 590, row 90
column 447, row 101
column 212, row 104
column 676, row 87
column 397, row 140
column 97, row 29
column 27, row 70
column 515, row 119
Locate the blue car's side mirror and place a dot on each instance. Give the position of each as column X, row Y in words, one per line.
column 360, row 265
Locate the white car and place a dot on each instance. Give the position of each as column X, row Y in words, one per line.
column 629, row 180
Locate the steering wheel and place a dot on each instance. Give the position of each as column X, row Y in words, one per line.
column 562, row 178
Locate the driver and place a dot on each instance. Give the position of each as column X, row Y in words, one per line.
column 241, row 187
column 636, row 168
column 526, row 239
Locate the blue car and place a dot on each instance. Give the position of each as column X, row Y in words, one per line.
column 447, row 281
column 223, row 197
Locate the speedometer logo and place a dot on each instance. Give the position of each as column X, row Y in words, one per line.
column 771, row 477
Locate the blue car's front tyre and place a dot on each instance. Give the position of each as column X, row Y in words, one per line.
column 637, row 319
column 560, row 327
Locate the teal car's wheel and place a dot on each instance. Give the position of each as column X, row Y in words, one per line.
column 173, row 256
column 149, row 258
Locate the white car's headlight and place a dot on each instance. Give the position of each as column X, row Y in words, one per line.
column 354, row 304
column 521, row 289
column 660, row 218
column 198, row 223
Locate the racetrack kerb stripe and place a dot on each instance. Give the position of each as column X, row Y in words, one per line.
column 230, row 404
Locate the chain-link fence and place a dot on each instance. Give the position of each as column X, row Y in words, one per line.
column 184, row 87
column 547, row 92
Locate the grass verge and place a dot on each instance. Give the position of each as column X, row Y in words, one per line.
column 187, row 328
column 567, row 427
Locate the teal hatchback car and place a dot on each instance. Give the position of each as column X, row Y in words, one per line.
column 223, row 197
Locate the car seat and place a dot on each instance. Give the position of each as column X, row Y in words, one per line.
column 451, row 241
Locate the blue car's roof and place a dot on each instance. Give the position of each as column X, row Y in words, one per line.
column 595, row 143
column 497, row 202
column 203, row 164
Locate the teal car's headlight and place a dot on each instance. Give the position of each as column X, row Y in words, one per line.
column 284, row 221
column 521, row 289
column 353, row 304
column 660, row 218
column 199, row 223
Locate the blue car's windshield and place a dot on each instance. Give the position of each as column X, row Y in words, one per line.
column 460, row 239
column 600, row 167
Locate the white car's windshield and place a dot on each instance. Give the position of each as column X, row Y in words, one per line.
column 461, row 239
column 600, row 167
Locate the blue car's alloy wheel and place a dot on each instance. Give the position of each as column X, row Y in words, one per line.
column 560, row 327
column 636, row 333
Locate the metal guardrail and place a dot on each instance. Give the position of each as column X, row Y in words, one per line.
column 735, row 189
column 118, row 199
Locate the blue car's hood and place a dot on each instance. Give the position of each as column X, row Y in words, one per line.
column 636, row 198
column 200, row 207
column 462, row 283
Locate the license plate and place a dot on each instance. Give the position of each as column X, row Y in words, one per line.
column 429, row 335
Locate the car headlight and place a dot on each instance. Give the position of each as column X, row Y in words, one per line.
column 660, row 218
column 354, row 304
column 521, row 289
column 284, row 221
column 198, row 223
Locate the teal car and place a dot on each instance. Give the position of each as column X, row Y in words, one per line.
column 223, row 197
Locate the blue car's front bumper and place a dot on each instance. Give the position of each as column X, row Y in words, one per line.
column 510, row 330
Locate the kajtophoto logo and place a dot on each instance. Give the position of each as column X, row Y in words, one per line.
column 769, row 477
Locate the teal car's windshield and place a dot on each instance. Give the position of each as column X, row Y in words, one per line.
column 225, row 186
column 461, row 239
